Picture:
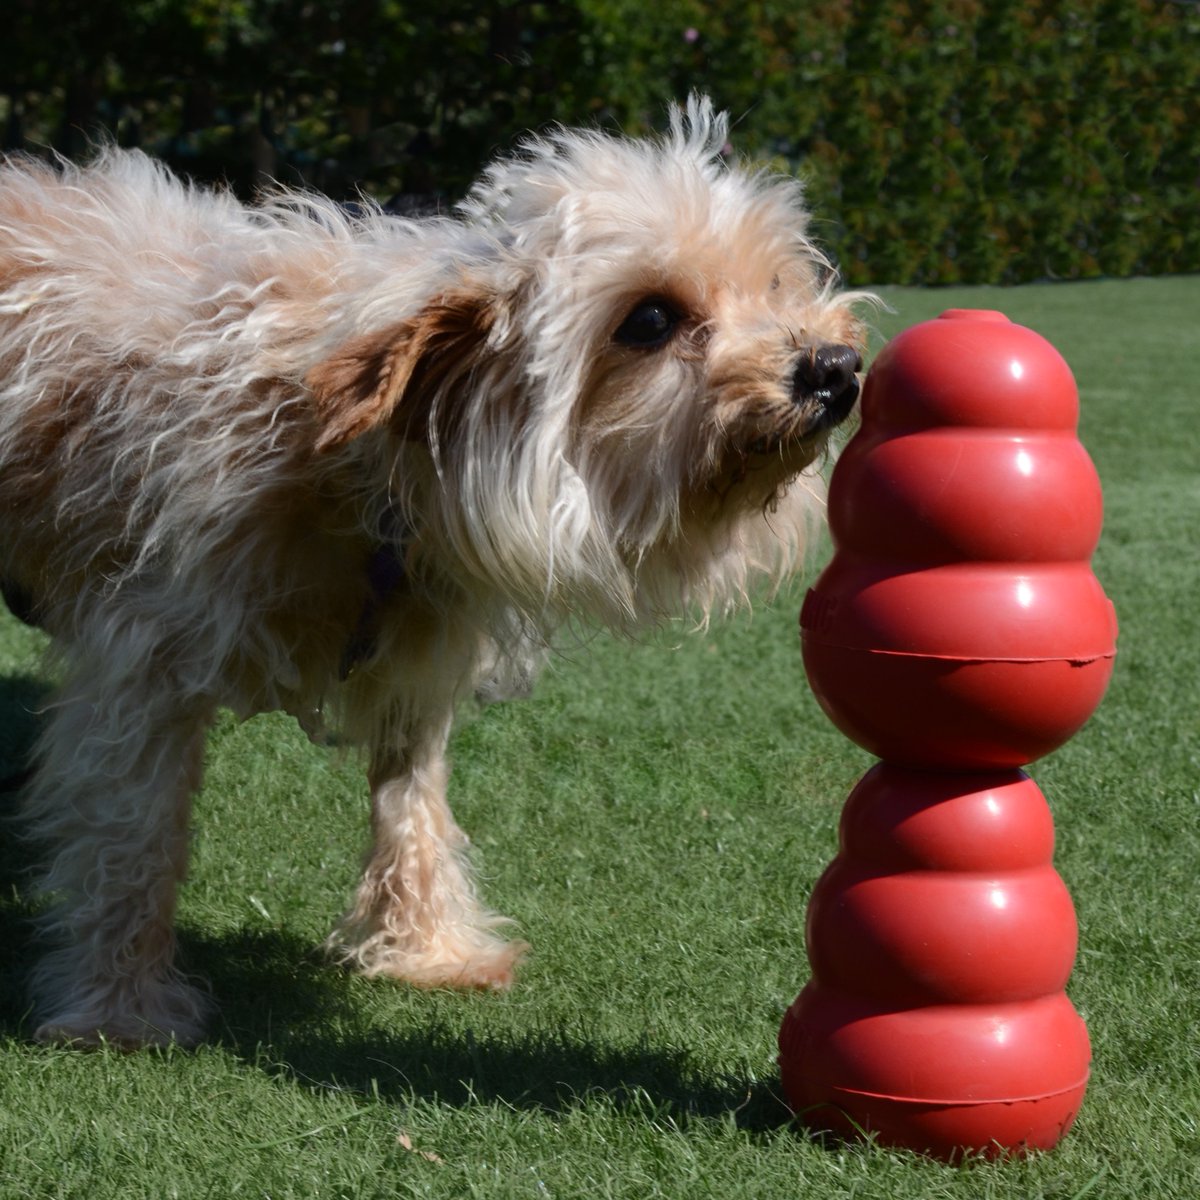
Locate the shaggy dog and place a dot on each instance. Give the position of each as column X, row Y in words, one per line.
column 358, row 468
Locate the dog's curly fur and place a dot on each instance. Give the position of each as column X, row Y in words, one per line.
column 357, row 468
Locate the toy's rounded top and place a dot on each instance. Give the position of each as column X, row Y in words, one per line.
column 974, row 314
column 970, row 368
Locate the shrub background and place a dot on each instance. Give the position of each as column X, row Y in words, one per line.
column 943, row 142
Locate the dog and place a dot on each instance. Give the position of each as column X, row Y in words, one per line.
column 299, row 457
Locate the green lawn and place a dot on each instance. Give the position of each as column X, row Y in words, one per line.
column 655, row 818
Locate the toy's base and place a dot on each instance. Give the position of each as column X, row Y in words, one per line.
column 996, row 1129
column 943, row 1080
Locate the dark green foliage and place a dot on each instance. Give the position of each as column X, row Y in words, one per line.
column 944, row 141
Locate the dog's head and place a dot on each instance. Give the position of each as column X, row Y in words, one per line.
column 625, row 387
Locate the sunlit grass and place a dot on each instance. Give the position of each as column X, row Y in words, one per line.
column 654, row 819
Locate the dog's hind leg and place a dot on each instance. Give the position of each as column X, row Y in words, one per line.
column 416, row 915
column 110, row 801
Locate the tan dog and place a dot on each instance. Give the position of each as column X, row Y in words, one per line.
column 358, row 468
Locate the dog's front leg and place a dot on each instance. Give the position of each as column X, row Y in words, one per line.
column 111, row 801
column 416, row 915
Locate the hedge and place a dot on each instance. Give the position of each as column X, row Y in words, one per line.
column 943, row 141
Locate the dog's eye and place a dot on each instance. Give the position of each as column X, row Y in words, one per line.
column 649, row 325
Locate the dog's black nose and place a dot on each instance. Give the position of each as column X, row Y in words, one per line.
column 826, row 378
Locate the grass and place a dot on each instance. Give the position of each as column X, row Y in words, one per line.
column 654, row 818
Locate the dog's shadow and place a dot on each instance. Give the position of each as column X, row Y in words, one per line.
column 278, row 1001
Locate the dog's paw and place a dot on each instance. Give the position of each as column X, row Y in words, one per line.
column 471, row 960
column 173, row 1013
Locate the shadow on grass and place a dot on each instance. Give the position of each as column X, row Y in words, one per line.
column 280, row 1006
column 283, row 1009
column 272, row 988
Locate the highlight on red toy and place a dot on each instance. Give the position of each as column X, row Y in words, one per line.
column 958, row 634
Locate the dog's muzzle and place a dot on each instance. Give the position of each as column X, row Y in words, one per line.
column 826, row 381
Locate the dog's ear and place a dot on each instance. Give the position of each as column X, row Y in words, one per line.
column 392, row 374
